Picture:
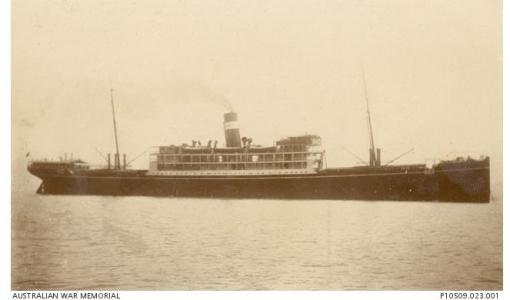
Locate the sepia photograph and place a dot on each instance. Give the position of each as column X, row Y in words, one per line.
column 268, row 145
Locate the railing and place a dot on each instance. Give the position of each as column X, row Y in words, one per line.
column 235, row 162
column 240, row 160
column 212, row 167
column 233, row 154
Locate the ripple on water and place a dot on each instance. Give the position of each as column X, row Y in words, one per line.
column 123, row 243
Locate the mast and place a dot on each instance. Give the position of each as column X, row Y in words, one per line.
column 117, row 155
column 375, row 159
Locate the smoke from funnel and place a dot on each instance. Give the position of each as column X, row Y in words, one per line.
column 216, row 97
column 199, row 92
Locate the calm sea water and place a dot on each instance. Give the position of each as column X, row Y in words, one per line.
column 140, row 243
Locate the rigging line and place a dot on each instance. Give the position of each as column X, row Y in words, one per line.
column 101, row 154
column 138, row 156
column 356, row 156
column 400, row 156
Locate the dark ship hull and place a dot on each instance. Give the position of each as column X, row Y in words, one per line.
column 451, row 181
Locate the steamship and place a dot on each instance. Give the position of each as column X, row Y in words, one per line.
column 292, row 168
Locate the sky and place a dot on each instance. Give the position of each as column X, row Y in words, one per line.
column 433, row 72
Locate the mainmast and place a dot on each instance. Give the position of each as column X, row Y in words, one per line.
column 375, row 158
column 117, row 154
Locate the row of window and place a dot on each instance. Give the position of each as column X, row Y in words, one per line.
column 233, row 162
column 293, row 147
column 231, row 158
column 256, row 166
